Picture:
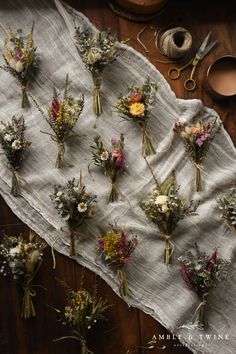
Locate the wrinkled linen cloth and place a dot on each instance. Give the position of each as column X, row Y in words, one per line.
column 156, row 290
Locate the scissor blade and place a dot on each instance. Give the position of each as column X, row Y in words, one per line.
column 203, row 46
column 207, row 49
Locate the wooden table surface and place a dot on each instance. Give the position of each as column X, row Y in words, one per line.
column 128, row 329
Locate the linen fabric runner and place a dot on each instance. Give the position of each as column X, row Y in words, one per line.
column 156, row 289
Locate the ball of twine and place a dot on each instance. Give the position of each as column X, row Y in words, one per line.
column 175, row 42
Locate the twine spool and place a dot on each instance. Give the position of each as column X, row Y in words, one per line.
column 175, row 42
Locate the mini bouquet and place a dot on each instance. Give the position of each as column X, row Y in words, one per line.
column 82, row 311
column 14, row 146
column 74, row 205
column 116, row 250
column 112, row 162
column 135, row 107
column 201, row 274
column 96, row 51
column 227, row 204
column 197, row 138
column 166, row 208
column 21, row 259
column 21, row 60
column 63, row 115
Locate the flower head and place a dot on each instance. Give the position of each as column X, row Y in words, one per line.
column 104, row 156
column 16, row 145
column 82, row 207
column 137, row 109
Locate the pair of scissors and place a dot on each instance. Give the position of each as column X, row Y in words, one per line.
column 190, row 83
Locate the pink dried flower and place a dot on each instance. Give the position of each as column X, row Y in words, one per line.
column 118, row 158
column 18, row 54
column 55, row 107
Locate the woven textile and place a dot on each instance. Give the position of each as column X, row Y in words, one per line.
column 155, row 289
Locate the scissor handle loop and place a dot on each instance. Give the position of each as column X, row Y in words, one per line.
column 190, row 84
column 174, row 73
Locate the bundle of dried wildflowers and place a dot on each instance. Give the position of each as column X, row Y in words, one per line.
column 74, row 205
column 201, row 274
column 197, row 138
column 165, row 207
column 21, row 60
column 82, row 312
column 135, row 107
column 116, row 250
column 111, row 161
column 14, row 146
column 97, row 51
column 63, row 114
column 21, row 260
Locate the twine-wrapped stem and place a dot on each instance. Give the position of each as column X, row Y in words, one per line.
column 201, row 311
column 147, row 147
column 113, row 195
column 123, row 282
column 198, row 178
column 28, row 309
column 15, row 187
column 60, row 154
column 169, row 250
column 72, row 243
column 97, row 107
column 25, row 100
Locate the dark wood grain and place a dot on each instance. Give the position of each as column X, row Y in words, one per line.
column 128, row 329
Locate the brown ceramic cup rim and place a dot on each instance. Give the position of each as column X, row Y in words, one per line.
column 226, row 56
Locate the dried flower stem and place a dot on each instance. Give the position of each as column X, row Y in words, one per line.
column 28, row 309
column 72, row 244
column 198, row 178
column 25, row 100
column 169, row 250
column 97, row 107
column 15, row 188
column 124, row 291
column 147, row 147
column 114, row 194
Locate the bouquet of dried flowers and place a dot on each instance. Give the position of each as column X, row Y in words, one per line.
column 97, row 50
column 21, row 60
column 21, row 260
column 201, row 274
column 63, row 114
column 227, row 205
column 112, row 162
column 165, row 207
column 82, row 311
column 74, row 205
column 14, row 145
column 197, row 138
column 116, row 250
column 135, row 107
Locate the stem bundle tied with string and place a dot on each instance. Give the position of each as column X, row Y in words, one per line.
column 135, row 107
column 14, row 146
column 21, row 60
column 75, row 205
column 82, row 312
column 116, row 250
column 202, row 273
column 112, row 162
column 21, row 259
column 63, row 114
column 166, row 208
column 97, row 50
column 197, row 138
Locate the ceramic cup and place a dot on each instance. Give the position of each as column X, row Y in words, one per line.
column 221, row 76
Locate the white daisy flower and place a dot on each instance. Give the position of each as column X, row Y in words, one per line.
column 82, row 207
column 8, row 137
column 104, row 155
column 16, row 145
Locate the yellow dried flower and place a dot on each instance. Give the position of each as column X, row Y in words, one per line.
column 111, row 243
column 137, row 109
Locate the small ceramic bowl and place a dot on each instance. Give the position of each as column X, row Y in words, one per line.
column 221, row 76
